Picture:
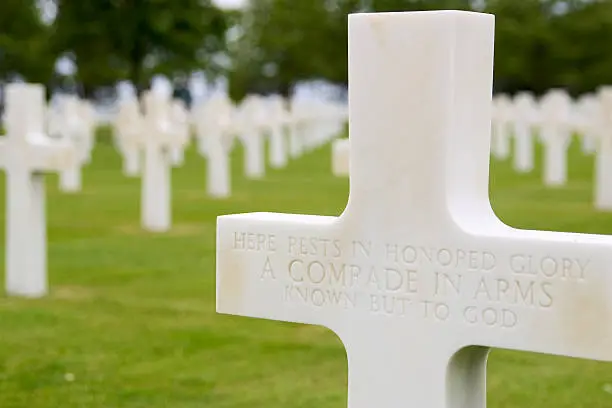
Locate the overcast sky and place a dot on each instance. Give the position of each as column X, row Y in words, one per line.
column 49, row 10
column 230, row 3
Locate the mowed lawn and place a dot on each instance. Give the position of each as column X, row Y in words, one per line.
column 130, row 320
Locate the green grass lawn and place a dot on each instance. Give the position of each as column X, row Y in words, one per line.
column 130, row 320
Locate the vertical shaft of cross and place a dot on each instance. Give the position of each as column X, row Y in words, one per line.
column 603, row 172
column 555, row 164
column 254, row 152
column 523, row 150
column 26, row 236
column 131, row 161
column 218, row 173
column 156, row 197
column 419, row 89
column 431, row 377
column 156, row 193
column 278, row 158
column 295, row 132
column 71, row 180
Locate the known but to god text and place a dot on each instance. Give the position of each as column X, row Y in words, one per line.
column 473, row 286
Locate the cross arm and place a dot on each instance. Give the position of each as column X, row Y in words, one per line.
column 262, row 266
column 535, row 291
column 38, row 153
column 525, row 290
column 49, row 155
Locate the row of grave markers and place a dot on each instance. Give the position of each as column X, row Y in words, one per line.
column 151, row 136
column 154, row 141
column 554, row 119
column 417, row 277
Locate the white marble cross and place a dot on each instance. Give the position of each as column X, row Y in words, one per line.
column 332, row 119
column 525, row 116
column 312, row 123
column 89, row 116
column 603, row 160
column 297, row 124
column 501, row 120
column 327, row 121
column 75, row 125
column 182, row 130
column 26, row 153
column 277, row 121
column 158, row 141
column 214, row 129
column 418, row 277
column 338, row 119
column 555, row 132
column 340, row 157
column 586, row 111
column 251, row 134
column 129, row 129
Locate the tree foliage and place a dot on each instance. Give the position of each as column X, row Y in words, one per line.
column 23, row 48
column 287, row 41
column 274, row 44
column 539, row 43
column 134, row 39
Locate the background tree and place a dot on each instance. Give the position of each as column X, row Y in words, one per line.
column 523, row 45
column 582, row 58
column 272, row 45
column 24, row 50
column 284, row 42
column 540, row 44
column 134, row 39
